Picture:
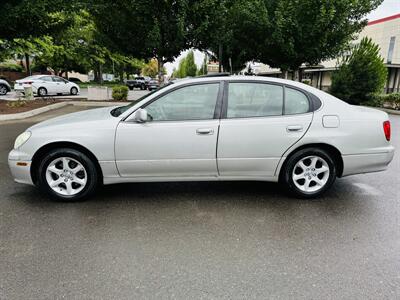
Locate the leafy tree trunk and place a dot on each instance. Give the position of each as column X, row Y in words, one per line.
column 160, row 68
column 27, row 64
column 220, row 58
column 98, row 74
column 296, row 76
column 101, row 73
column 301, row 72
column 285, row 74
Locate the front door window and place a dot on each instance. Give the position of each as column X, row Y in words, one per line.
column 195, row 102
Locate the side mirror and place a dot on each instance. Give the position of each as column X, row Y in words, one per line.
column 141, row 116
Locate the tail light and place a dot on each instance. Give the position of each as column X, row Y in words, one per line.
column 387, row 130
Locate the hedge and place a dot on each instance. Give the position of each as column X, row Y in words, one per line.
column 120, row 93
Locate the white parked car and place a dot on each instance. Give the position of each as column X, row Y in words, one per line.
column 220, row 128
column 43, row 85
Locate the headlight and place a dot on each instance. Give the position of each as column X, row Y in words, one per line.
column 22, row 139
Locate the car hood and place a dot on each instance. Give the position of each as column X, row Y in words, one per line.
column 88, row 116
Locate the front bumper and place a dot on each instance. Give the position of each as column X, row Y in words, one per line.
column 20, row 167
column 367, row 163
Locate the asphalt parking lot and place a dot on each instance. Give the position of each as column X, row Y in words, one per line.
column 232, row 240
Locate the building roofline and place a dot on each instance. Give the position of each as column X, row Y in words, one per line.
column 397, row 16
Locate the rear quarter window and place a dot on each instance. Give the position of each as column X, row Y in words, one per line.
column 296, row 102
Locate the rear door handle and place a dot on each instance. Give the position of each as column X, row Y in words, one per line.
column 205, row 131
column 294, row 128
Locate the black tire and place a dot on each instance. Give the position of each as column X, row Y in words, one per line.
column 3, row 89
column 131, row 88
column 74, row 91
column 91, row 171
column 290, row 164
column 142, row 87
column 42, row 92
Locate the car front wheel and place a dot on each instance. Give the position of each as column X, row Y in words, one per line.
column 310, row 172
column 67, row 175
column 74, row 91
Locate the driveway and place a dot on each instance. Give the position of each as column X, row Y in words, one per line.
column 211, row 240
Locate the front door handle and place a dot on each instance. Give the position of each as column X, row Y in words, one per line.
column 205, row 131
column 294, row 128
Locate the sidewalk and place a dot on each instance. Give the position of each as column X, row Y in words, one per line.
column 132, row 96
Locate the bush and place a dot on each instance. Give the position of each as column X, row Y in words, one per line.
column 375, row 100
column 379, row 100
column 120, row 93
column 15, row 104
column 11, row 67
column 393, row 100
column 361, row 74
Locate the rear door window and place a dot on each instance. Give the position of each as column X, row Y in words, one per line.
column 254, row 100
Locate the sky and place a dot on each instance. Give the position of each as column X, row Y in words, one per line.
column 387, row 8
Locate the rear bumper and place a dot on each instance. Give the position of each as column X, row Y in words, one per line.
column 20, row 88
column 21, row 173
column 367, row 163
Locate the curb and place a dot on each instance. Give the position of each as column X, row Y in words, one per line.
column 37, row 111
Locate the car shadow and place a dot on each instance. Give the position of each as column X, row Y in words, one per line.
column 204, row 198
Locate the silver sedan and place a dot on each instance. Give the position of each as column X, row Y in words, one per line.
column 216, row 128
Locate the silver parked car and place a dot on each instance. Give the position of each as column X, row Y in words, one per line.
column 220, row 128
column 4, row 87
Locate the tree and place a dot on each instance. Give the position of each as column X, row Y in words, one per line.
column 361, row 74
column 203, row 68
column 310, row 31
column 143, row 28
column 151, row 68
column 281, row 33
column 230, row 29
column 190, row 66
column 26, row 48
column 33, row 18
column 181, row 71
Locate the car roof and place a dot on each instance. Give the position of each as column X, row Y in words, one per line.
column 248, row 78
column 34, row 76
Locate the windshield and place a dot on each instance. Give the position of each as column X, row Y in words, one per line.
column 120, row 110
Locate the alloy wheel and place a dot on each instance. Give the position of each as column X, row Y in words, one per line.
column 42, row 92
column 66, row 176
column 311, row 174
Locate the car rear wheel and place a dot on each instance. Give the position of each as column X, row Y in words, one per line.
column 310, row 172
column 142, row 86
column 67, row 175
column 74, row 91
column 3, row 89
column 42, row 92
